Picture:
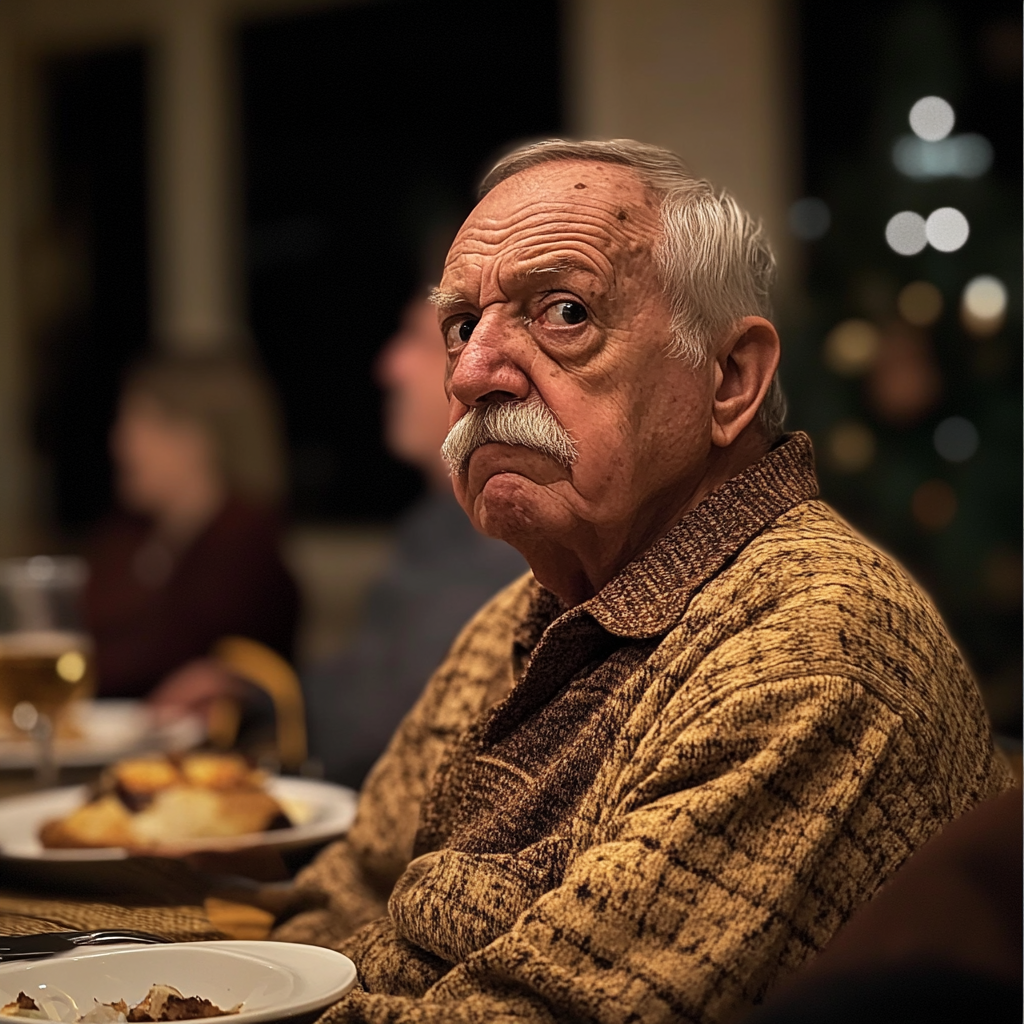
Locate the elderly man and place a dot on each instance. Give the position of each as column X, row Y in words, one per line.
column 657, row 773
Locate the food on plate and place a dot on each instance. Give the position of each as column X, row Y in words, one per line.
column 161, row 1003
column 164, row 1002
column 23, row 1006
column 148, row 802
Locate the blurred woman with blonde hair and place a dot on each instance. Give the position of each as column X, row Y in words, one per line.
column 193, row 555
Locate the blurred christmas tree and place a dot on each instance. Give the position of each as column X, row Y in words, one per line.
column 905, row 364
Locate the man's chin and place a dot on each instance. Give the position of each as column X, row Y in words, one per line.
column 513, row 508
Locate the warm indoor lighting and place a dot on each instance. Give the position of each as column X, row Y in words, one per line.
column 905, row 233
column 934, row 505
column 956, row 439
column 932, row 118
column 983, row 305
column 919, row 303
column 946, row 229
column 851, row 347
column 850, row 447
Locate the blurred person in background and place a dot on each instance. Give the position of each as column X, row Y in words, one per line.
column 192, row 554
column 442, row 571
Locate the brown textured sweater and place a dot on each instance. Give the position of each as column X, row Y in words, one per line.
column 651, row 806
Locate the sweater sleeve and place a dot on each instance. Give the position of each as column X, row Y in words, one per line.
column 756, row 826
column 352, row 878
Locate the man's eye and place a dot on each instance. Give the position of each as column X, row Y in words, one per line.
column 566, row 314
column 459, row 334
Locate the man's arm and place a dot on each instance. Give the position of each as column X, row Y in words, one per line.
column 767, row 819
column 353, row 877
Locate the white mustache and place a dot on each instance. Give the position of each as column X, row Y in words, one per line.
column 529, row 423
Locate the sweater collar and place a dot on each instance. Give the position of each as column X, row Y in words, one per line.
column 651, row 593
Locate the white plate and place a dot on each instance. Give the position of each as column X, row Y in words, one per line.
column 273, row 980
column 109, row 729
column 321, row 811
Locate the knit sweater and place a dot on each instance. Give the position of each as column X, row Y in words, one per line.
column 651, row 806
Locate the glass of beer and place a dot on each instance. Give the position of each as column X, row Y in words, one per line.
column 45, row 655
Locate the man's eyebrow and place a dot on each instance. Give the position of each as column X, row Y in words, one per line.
column 444, row 300
column 560, row 265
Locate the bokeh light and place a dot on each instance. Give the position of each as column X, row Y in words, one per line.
column 71, row 666
column 920, row 303
column 905, row 233
column 932, row 118
column 962, row 156
column 905, row 382
column 1002, row 576
column 852, row 347
column 934, row 505
column 956, row 439
column 809, row 219
column 946, row 229
column 983, row 305
column 850, row 447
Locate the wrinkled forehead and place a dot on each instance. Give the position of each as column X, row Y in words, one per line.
column 574, row 210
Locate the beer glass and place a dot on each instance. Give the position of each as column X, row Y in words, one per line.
column 45, row 655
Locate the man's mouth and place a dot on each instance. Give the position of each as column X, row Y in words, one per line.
column 494, row 459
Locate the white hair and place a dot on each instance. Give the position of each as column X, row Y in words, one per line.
column 713, row 258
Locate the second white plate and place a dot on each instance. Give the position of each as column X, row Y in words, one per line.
column 272, row 980
column 320, row 810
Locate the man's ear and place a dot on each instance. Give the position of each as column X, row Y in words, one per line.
column 744, row 367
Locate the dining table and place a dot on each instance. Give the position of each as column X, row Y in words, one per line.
column 200, row 896
column 194, row 897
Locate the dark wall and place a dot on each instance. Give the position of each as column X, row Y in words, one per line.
column 96, row 132
column 366, row 129
column 364, row 132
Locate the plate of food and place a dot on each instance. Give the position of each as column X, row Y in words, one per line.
column 170, row 806
column 244, row 982
column 93, row 733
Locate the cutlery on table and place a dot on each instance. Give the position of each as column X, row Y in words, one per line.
column 36, row 947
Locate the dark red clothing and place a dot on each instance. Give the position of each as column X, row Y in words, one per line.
column 230, row 581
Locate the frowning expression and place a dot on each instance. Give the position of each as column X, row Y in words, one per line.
column 551, row 291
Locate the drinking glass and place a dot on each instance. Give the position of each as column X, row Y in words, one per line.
column 46, row 657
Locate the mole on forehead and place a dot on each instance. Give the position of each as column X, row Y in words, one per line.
column 529, row 234
column 570, row 207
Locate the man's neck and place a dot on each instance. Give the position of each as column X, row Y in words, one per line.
column 577, row 571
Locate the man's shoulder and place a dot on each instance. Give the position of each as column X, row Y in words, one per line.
column 810, row 596
column 812, row 554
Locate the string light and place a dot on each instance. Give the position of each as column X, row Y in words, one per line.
column 983, row 305
column 933, row 505
column 905, row 233
column 809, row 219
column 920, row 303
column 946, row 229
column 852, row 347
column 956, row 439
column 932, row 118
column 961, row 156
column 850, row 447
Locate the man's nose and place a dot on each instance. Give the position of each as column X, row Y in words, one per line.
column 487, row 369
